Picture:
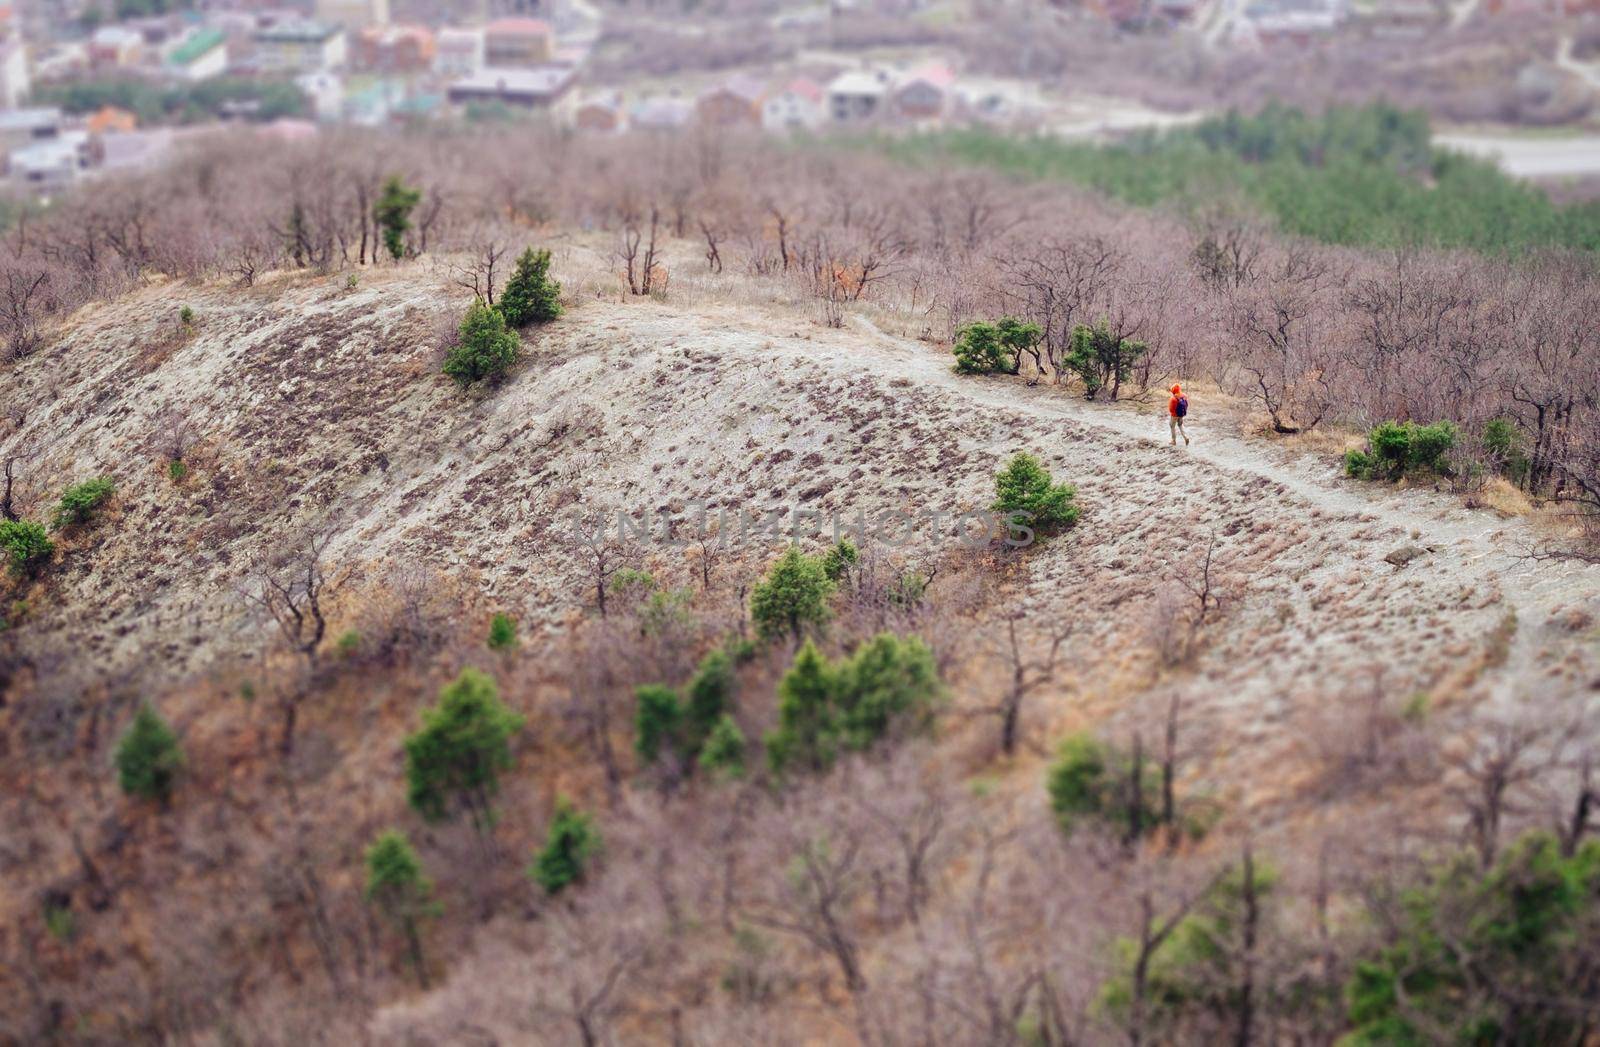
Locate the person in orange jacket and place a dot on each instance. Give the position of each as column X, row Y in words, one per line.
column 1177, row 408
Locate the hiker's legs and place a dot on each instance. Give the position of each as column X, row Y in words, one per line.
column 1181, row 430
column 1172, row 427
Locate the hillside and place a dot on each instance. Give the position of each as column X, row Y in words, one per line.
column 317, row 410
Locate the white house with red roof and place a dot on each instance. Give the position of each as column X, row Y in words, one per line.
column 797, row 105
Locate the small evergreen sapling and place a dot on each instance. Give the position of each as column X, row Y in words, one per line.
column 149, row 758
column 397, row 888
column 571, row 842
column 531, row 296
column 792, row 598
column 455, row 759
column 1025, row 486
column 26, row 545
column 486, row 349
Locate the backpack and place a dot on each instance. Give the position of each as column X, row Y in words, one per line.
column 1183, row 406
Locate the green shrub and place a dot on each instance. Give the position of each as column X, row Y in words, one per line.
column 708, row 697
column 186, row 316
column 838, row 560
column 722, row 755
column 792, row 598
column 1471, row 956
column 983, row 347
column 463, row 745
column 486, row 349
column 1359, row 464
column 571, row 842
column 349, row 643
column 59, row 921
column 397, row 888
column 502, row 632
column 392, row 212
column 1090, row 780
column 80, row 502
column 807, row 733
column 1025, row 486
column 889, row 686
column 1396, row 447
column 1503, row 445
column 889, row 683
column 27, row 545
column 530, row 295
column 177, row 470
column 1430, row 444
column 1191, row 975
column 149, row 757
column 657, row 721
column 1100, row 359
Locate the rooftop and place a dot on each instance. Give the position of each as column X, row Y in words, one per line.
column 299, row 31
column 202, row 42
column 518, row 27
column 541, row 81
column 28, row 119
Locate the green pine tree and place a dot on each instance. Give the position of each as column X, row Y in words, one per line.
column 792, row 598
column 889, row 683
column 722, row 755
column 531, row 296
column 709, row 696
column 149, row 757
column 392, row 212
column 571, row 842
column 455, row 759
column 487, row 348
column 397, row 887
column 657, row 721
column 806, row 736
column 502, row 632
column 1026, row 487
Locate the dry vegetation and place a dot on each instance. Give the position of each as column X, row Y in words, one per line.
column 1335, row 681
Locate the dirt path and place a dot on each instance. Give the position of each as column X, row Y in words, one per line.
column 1470, row 548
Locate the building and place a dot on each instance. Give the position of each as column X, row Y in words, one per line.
column 734, row 103
column 406, row 50
column 458, row 52
column 202, row 55
column 858, row 96
column 14, row 83
column 110, row 119
column 661, row 114
column 23, row 127
column 517, row 43
column 600, row 114
column 795, row 106
column 50, row 165
column 325, row 91
column 923, row 94
column 353, row 15
column 300, row 47
column 517, row 88
column 115, row 47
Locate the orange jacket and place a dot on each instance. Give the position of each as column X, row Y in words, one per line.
column 1172, row 404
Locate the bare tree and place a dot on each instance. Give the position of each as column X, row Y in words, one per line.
column 292, row 587
column 1025, row 673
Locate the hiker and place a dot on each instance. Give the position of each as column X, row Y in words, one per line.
column 1177, row 408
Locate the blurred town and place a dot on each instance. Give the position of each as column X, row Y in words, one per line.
column 88, row 86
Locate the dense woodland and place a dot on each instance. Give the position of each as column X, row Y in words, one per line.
column 765, row 812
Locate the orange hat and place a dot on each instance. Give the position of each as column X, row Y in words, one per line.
column 1177, row 390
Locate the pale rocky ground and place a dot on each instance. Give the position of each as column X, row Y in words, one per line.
column 321, row 407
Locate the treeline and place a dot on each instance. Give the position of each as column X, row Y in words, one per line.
column 1364, row 176
column 180, row 103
